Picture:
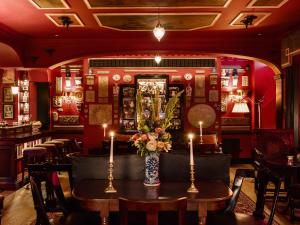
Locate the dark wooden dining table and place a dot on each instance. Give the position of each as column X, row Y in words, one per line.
column 213, row 195
column 281, row 167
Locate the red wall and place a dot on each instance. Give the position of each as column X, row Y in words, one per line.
column 265, row 86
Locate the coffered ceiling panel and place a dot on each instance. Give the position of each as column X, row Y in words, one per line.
column 50, row 4
column 260, row 17
column 266, row 3
column 146, row 3
column 143, row 22
column 56, row 19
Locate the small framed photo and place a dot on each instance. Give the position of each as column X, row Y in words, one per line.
column 213, row 79
column 57, row 101
column 8, row 111
column 7, row 95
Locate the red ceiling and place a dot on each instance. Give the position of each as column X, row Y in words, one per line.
column 30, row 32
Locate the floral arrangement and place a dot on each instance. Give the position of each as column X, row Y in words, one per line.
column 152, row 133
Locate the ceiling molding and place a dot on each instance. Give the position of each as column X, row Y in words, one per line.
column 261, row 16
column 191, row 21
column 133, row 4
column 54, row 18
column 46, row 4
column 276, row 3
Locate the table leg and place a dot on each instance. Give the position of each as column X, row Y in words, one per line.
column 104, row 213
column 202, row 212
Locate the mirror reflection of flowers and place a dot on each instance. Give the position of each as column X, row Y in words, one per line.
column 153, row 121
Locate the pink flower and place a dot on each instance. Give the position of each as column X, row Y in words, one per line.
column 135, row 137
column 144, row 137
column 158, row 130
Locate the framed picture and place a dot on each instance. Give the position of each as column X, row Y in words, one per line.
column 57, row 101
column 7, row 95
column 8, row 111
column 213, row 79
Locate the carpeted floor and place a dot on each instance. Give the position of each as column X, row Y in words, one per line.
column 246, row 205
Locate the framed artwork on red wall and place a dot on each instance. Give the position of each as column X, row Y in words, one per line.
column 8, row 111
column 7, row 95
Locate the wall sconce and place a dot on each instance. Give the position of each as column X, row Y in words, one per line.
column 240, row 107
column 15, row 89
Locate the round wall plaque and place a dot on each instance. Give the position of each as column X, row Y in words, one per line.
column 127, row 78
column 201, row 112
column 116, row 77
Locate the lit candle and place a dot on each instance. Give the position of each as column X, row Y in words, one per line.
column 104, row 128
column 200, row 126
column 111, row 157
column 191, row 149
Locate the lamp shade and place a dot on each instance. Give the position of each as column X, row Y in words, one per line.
column 15, row 89
column 159, row 32
column 157, row 59
column 240, row 107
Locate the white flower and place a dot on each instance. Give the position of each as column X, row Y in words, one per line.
column 152, row 136
column 160, row 145
column 151, row 145
column 167, row 146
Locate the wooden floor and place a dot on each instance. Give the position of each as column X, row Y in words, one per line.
column 18, row 206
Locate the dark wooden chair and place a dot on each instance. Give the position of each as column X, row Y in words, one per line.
column 71, row 219
column 294, row 200
column 228, row 217
column 240, row 174
column 152, row 209
column 1, row 206
column 33, row 155
column 55, row 199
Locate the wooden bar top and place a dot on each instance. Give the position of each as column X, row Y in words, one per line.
column 24, row 136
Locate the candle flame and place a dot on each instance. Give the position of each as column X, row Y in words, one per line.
column 200, row 122
column 112, row 133
column 191, row 136
column 104, row 125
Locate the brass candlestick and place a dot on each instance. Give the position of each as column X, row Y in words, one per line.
column 201, row 139
column 110, row 188
column 192, row 188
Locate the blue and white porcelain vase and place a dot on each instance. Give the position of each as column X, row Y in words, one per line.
column 152, row 169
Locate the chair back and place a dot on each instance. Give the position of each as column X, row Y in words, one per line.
column 39, row 206
column 240, row 174
column 48, row 172
column 152, row 208
column 265, row 176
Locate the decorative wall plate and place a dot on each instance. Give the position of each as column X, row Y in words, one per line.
column 201, row 112
column 116, row 77
column 127, row 78
column 188, row 76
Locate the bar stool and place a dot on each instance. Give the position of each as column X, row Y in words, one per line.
column 60, row 148
column 33, row 155
column 52, row 151
column 67, row 144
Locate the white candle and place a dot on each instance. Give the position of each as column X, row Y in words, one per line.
column 111, row 157
column 191, row 149
column 200, row 126
column 104, row 128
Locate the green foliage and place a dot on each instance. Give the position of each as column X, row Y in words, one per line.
column 169, row 111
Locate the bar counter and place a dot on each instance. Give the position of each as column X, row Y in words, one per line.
column 11, row 153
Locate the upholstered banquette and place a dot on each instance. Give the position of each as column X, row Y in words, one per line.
column 173, row 167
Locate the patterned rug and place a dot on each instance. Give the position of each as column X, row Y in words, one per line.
column 247, row 206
